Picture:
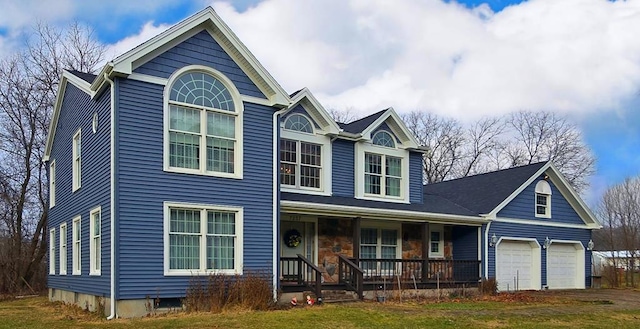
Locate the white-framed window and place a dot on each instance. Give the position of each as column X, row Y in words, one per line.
column 379, row 243
column 202, row 239
column 305, row 161
column 52, row 251
column 52, row 183
column 382, row 170
column 436, row 241
column 63, row 249
column 203, row 124
column 76, row 252
column 95, row 245
column 77, row 160
column 543, row 199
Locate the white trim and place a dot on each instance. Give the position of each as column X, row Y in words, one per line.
column 360, row 150
column 52, row 183
column 63, row 252
column 148, row 78
column 92, row 250
column 76, row 236
column 112, row 201
column 542, row 223
column 480, row 250
column 52, row 251
column 378, row 226
column 307, row 220
column 440, row 229
column 208, row 20
column 325, row 154
column 486, row 251
column 580, row 263
column 377, row 213
column 314, row 109
column 203, row 208
column 275, row 198
column 255, row 100
column 239, row 126
column 542, row 189
column 536, row 265
column 407, row 139
column 565, row 189
column 76, row 167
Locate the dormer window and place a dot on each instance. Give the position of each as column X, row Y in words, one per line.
column 303, row 159
column 298, row 122
column 383, row 138
column 382, row 169
column 543, row 199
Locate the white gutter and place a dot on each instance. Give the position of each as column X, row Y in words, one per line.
column 486, row 251
column 315, row 208
column 276, row 189
column 112, row 298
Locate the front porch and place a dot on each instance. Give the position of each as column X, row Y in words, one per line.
column 353, row 254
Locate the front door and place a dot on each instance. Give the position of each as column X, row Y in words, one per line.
column 297, row 238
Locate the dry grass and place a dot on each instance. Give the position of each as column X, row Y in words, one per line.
column 521, row 310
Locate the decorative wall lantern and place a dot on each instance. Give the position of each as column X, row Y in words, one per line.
column 493, row 241
column 547, row 243
column 590, row 245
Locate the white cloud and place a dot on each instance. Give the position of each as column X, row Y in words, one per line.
column 148, row 31
column 574, row 56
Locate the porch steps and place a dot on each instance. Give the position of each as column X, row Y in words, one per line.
column 339, row 296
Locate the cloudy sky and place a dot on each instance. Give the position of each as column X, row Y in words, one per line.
column 463, row 59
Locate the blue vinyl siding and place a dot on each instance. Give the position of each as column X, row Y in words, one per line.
column 140, row 169
column 523, row 207
column 201, row 49
column 465, row 242
column 343, row 168
column 415, row 178
column 539, row 233
column 300, row 110
column 77, row 112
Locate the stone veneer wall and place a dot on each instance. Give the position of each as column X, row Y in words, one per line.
column 411, row 241
column 335, row 236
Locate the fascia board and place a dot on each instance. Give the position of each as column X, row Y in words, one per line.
column 330, row 209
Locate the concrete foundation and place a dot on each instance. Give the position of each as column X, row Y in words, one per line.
column 124, row 308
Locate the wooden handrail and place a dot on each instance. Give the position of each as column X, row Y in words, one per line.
column 318, row 275
column 351, row 275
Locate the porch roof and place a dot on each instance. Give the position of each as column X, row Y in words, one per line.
column 434, row 207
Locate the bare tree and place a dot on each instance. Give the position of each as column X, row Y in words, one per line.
column 28, row 84
column 347, row 115
column 620, row 211
column 445, row 140
column 544, row 136
column 498, row 143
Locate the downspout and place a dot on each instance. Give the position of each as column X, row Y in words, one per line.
column 276, row 200
column 112, row 299
column 486, row 251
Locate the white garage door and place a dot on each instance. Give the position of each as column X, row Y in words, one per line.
column 564, row 268
column 517, row 266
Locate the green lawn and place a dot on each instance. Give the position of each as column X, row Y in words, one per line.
column 502, row 312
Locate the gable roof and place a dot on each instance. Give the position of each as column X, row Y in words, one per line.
column 317, row 112
column 207, row 19
column 486, row 194
column 360, row 125
column 88, row 77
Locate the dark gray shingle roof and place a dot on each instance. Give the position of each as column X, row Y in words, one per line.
column 88, row 77
column 358, row 126
column 482, row 193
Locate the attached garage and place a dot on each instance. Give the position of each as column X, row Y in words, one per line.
column 565, row 265
column 518, row 264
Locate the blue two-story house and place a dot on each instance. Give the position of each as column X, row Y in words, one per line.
column 184, row 157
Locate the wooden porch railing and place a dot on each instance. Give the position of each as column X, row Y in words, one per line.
column 411, row 270
column 350, row 275
column 301, row 272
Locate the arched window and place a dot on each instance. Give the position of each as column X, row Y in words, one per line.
column 543, row 199
column 298, row 122
column 383, row 138
column 204, row 125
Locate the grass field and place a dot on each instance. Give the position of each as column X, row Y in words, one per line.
column 523, row 310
